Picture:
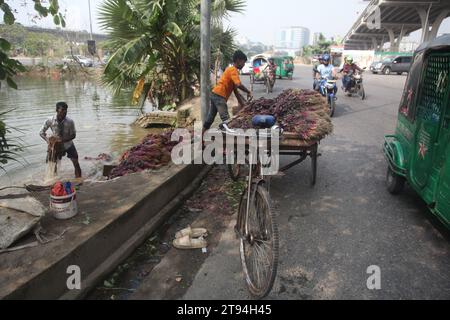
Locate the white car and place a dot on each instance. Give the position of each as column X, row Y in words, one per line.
column 85, row 62
column 247, row 69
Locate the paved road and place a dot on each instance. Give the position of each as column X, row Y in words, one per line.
column 332, row 233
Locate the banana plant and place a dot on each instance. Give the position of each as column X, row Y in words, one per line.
column 157, row 42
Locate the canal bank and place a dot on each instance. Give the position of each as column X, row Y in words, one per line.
column 114, row 219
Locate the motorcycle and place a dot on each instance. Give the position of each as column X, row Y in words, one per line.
column 328, row 89
column 356, row 85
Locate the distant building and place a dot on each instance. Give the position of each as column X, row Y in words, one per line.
column 316, row 38
column 292, row 39
column 408, row 45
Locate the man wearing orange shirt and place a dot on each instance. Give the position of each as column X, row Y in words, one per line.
column 228, row 83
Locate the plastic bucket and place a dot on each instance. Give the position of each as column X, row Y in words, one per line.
column 64, row 207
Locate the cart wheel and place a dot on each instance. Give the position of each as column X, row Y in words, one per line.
column 314, row 156
column 394, row 182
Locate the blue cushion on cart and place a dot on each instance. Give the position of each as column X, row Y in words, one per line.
column 264, row 121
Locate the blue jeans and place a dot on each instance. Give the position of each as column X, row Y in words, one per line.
column 218, row 104
column 347, row 82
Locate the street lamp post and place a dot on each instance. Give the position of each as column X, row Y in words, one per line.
column 90, row 17
column 205, row 57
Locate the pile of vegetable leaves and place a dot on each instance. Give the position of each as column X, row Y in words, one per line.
column 153, row 153
column 303, row 112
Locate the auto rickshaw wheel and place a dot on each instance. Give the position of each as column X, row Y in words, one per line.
column 394, row 182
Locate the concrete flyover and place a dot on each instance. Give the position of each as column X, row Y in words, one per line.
column 391, row 20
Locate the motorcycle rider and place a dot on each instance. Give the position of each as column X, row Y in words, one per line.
column 348, row 70
column 315, row 72
column 325, row 71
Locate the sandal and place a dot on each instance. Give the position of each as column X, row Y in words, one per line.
column 187, row 242
column 191, row 232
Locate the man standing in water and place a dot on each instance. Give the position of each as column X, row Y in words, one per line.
column 63, row 129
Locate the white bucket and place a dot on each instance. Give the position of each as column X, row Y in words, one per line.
column 64, row 207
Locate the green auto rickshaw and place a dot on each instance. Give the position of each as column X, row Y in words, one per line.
column 419, row 152
column 285, row 67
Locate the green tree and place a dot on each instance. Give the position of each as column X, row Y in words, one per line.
column 38, row 44
column 15, row 34
column 323, row 45
column 9, row 67
column 156, row 44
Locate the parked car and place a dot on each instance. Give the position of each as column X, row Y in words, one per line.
column 376, row 66
column 397, row 65
column 85, row 62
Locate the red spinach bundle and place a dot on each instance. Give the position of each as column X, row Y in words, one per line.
column 303, row 112
column 154, row 152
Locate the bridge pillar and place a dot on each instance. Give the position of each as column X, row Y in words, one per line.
column 399, row 39
column 425, row 20
column 437, row 24
column 374, row 43
column 392, row 39
column 377, row 45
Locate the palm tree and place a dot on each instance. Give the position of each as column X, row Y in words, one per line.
column 156, row 44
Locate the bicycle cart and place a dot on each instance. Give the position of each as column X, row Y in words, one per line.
column 256, row 225
column 290, row 145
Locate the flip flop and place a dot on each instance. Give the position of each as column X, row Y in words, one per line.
column 191, row 232
column 187, row 242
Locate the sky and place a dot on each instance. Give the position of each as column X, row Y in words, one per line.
column 260, row 21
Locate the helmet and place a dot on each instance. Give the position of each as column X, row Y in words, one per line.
column 349, row 59
column 326, row 57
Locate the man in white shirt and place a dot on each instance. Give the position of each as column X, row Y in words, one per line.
column 63, row 129
column 325, row 71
